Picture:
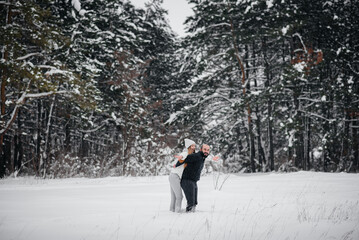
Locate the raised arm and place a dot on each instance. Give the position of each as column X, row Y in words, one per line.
column 180, row 158
column 215, row 158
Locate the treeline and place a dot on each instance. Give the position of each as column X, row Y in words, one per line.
column 275, row 83
column 79, row 87
column 99, row 88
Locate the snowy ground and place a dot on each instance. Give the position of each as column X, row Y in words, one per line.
column 303, row 205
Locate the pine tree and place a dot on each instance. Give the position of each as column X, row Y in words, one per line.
column 30, row 67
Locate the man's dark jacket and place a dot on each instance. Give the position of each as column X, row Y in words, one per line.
column 195, row 163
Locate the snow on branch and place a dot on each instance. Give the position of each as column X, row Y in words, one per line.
column 46, row 66
column 5, row 3
column 21, row 101
column 56, row 71
column 234, row 125
column 77, row 5
column 301, row 40
column 318, row 116
column 351, row 68
column 215, row 95
column 45, row 94
column 219, row 25
column 27, row 56
column 53, row 70
column 12, row 119
column 311, row 99
column 14, row 112
column 93, row 130
column 174, row 116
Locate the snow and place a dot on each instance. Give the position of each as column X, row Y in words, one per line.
column 8, row 102
column 256, row 93
column 285, row 30
column 56, row 71
column 173, row 117
column 113, row 116
column 318, row 153
column 299, row 66
column 302, row 205
column 269, row 3
column 77, row 5
column 27, row 56
column 351, row 81
column 338, row 51
column 291, row 138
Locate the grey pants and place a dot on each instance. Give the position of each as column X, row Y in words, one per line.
column 176, row 192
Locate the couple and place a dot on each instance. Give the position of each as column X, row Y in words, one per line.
column 185, row 174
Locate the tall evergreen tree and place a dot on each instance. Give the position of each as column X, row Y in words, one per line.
column 30, row 66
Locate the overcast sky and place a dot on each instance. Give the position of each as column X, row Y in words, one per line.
column 178, row 10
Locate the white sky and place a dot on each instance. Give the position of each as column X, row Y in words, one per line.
column 178, row 10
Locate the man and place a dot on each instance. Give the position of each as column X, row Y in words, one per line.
column 191, row 175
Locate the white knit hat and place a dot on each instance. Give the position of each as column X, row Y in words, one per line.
column 188, row 142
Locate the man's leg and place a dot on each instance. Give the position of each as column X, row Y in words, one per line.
column 195, row 195
column 188, row 189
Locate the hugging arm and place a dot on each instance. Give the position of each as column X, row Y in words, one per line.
column 179, row 163
column 189, row 158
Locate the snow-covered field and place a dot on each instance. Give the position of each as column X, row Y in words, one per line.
column 302, row 206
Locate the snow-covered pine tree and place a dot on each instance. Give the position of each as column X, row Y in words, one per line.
column 30, row 69
column 291, row 52
column 217, row 104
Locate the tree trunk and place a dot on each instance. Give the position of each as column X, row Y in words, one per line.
column 261, row 155
column 4, row 76
column 239, row 140
column 355, row 126
column 7, row 154
column 308, row 150
column 347, row 142
column 18, row 150
column 305, row 143
column 344, row 154
column 47, row 138
column 84, row 146
column 269, row 106
column 68, row 148
column 299, row 138
column 250, row 124
column 3, row 99
column 38, row 161
column 270, row 134
column 250, row 130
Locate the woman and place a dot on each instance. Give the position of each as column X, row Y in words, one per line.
column 176, row 175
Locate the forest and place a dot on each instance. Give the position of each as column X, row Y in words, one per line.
column 95, row 88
